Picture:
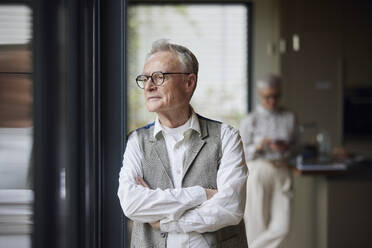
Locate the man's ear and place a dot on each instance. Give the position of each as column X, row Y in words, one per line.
column 191, row 82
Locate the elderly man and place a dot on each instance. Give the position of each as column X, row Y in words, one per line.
column 183, row 176
column 269, row 136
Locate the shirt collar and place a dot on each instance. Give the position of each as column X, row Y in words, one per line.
column 194, row 124
column 157, row 126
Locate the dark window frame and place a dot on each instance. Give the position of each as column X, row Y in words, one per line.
column 79, row 121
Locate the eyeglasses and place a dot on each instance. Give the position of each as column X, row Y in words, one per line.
column 271, row 96
column 157, row 78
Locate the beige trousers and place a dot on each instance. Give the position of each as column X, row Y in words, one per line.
column 268, row 204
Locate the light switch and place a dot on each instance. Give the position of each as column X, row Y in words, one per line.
column 296, row 43
column 282, row 46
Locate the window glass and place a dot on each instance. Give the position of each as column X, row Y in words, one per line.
column 15, row 126
column 216, row 34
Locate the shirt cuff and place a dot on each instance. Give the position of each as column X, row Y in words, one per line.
column 168, row 226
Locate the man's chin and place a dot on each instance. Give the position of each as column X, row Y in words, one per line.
column 152, row 108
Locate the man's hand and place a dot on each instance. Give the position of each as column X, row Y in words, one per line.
column 279, row 146
column 155, row 225
column 264, row 143
column 140, row 181
column 210, row 193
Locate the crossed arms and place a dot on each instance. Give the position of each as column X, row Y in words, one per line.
column 186, row 209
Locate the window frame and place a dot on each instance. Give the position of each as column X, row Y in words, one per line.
column 79, row 121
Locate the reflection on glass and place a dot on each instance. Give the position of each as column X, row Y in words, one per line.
column 217, row 35
column 15, row 126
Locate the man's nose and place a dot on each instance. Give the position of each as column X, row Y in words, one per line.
column 149, row 85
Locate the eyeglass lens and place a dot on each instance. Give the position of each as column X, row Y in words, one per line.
column 157, row 78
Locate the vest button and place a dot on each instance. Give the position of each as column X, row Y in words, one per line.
column 163, row 235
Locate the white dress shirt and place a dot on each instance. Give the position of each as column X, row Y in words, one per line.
column 185, row 212
column 263, row 123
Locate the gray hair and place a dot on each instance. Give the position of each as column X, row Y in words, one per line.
column 186, row 57
column 271, row 80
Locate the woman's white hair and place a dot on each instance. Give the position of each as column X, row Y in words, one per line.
column 271, row 80
column 186, row 57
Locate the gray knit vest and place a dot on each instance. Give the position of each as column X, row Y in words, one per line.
column 200, row 168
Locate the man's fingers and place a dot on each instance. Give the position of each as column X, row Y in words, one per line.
column 138, row 181
column 156, row 225
column 210, row 193
column 142, row 182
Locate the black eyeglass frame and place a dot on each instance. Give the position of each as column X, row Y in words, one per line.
column 272, row 96
column 152, row 79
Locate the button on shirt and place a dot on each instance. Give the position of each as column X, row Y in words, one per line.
column 175, row 140
column 185, row 212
